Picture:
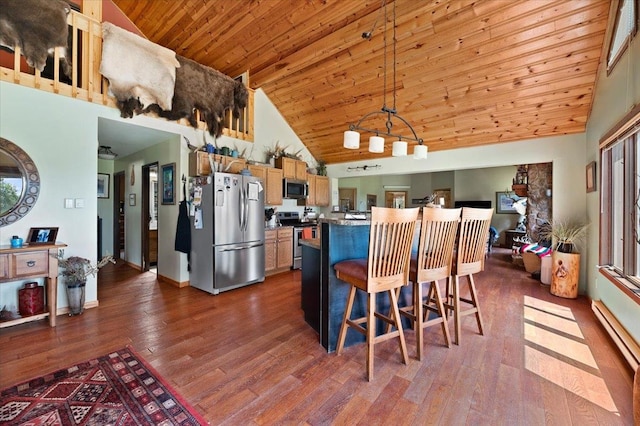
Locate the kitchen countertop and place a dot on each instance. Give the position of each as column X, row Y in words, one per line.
column 311, row 242
column 273, row 228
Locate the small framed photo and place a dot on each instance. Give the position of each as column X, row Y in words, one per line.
column 132, row 199
column 168, row 183
column 103, row 185
column 42, row 236
column 591, row 176
column 504, row 202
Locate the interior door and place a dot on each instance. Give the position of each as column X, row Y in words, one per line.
column 395, row 199
column 118, row 215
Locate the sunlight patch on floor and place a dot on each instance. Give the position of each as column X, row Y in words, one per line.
column 569, row 376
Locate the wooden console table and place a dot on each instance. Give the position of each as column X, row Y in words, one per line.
column 30, row 262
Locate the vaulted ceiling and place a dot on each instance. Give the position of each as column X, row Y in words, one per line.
column 468, row 72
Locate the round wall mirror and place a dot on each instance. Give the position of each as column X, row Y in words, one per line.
column 19, row 183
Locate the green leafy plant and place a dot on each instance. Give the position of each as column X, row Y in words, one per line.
column 78, row 269
column 321, row 168
column 567, row 236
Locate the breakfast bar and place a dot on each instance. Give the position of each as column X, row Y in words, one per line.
column 324, row 296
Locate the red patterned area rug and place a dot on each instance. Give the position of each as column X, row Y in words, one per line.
column 119, row 388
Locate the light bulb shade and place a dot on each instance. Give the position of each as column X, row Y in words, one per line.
column 399, row 149
column 420, row 152
column 351, row 139
column 105, row 153
column 376, row 144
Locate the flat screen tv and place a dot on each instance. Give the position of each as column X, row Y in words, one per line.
column 474, row 204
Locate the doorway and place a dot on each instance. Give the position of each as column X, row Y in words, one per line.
column 395, row 199
column 347, row 199
column 149, row 212
column 118, row 216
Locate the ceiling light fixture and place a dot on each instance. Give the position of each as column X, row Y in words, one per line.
column 105, row 153
column 365, row 168
column 376, row 143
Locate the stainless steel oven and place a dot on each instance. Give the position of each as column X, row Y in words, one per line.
column 297, row 246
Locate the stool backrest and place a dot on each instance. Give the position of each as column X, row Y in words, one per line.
column 390, row 241
column 472, row 240
column 438, row 231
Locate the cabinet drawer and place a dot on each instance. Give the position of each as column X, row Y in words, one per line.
column 285, row 233
column 30, row 264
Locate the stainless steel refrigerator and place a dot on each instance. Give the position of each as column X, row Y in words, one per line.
column 227, row 236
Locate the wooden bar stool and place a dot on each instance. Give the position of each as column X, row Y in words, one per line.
column 385, row 269
column 470, row 256
column 433, row 261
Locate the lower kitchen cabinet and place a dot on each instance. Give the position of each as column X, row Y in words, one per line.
column 278, row 250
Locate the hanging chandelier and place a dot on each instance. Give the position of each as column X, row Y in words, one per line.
column 376, row 142
column 105, row 153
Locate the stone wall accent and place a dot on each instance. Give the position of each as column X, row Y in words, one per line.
column 540, row 179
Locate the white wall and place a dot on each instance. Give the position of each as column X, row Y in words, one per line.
column 46, row 126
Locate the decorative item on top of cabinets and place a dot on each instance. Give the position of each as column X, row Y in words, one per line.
column 520, row 181
column 321, row 168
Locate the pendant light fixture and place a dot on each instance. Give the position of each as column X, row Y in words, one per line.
column 376, row 143
column 105, row 153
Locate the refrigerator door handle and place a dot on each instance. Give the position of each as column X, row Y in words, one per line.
column 241, row 209
column 242, row 248
column 246, row 207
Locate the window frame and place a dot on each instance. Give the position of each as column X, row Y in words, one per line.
column 627, row 132
column 611, row 63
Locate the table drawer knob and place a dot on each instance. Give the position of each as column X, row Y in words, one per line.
column 31, row 263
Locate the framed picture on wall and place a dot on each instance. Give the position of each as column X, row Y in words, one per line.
column 168, row 183
column 591, row 176
column 504, row 202
column 103, row 185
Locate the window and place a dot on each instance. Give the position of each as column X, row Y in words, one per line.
column 624, row 29
column 620, row 203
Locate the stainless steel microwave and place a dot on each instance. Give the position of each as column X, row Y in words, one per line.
column 296, row 189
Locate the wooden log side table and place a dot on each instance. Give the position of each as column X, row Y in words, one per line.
column 28, row 262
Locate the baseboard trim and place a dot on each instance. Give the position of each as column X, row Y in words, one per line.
column 623, row 340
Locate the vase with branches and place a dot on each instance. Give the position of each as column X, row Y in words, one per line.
column 76, row 270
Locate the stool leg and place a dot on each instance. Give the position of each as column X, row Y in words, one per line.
column 371, row 333
column 442, row 312
column 418, row 311
column 345, row 318
column 474, row 300
column 456, row 308
column 396, row 315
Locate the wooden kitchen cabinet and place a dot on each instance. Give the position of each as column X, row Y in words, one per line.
column 291, row 168
column 258, row 171
column 278, row 250
column 273, row 191
column 199, row 163
column 318, row 191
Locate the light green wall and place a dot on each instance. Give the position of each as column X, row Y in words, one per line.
column 615, row 95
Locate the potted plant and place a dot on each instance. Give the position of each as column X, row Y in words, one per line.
column 567, row 236
column 76, row 270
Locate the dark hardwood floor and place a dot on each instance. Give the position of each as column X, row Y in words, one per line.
column 247, row 356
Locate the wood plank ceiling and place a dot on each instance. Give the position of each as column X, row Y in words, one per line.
column 469, row 72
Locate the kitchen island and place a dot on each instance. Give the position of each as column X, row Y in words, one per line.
column 324, row 296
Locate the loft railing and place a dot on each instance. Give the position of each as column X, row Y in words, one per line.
column 86, row 82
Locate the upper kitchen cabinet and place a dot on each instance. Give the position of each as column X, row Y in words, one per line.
column 273, row 195
column 199, row 164
column 272, row 179
column 318, row 191
column 291, row 168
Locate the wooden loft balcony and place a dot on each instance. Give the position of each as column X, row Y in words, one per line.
column 86, row 82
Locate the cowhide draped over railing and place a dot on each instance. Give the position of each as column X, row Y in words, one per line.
column 86, row 82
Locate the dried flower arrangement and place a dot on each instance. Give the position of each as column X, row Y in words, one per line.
column 78, row 269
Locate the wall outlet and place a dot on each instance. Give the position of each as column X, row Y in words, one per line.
column 79, row 203
column 68, row 203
